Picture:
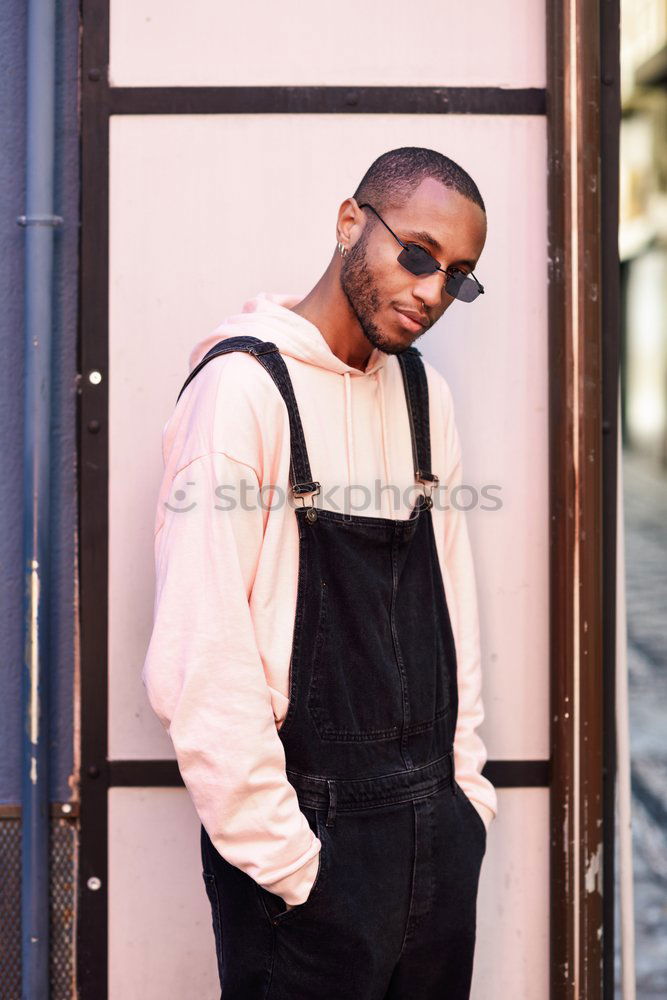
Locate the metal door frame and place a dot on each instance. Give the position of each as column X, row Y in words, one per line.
column 578, row 375
column 583, row 117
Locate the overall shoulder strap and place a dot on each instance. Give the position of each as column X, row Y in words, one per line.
column 271, row 359
column 416, row 393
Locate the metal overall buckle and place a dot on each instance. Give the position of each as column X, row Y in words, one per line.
column 300, row 491
column 430, row 481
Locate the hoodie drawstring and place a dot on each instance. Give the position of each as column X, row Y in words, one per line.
column 385, row 446
column 351, row 475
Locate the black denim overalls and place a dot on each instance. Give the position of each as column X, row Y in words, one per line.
column 368, row 740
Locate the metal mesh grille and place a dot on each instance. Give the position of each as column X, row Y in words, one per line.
column 10, row 909
column 62, row 900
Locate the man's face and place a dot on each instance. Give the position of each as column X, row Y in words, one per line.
column 383, row 294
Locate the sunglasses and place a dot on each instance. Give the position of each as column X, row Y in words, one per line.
column 415, row 259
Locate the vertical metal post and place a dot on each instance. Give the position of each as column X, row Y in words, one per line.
column 92, row 911
column 39, row 222
column 576, row 461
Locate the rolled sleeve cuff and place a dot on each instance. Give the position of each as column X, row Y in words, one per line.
column 295, row 888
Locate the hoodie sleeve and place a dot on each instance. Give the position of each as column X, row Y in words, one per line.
column 470, row 753
column 204, row 675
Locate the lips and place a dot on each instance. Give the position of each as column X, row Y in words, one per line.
column 411, row 320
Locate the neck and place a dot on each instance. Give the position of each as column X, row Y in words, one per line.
column 326, row 307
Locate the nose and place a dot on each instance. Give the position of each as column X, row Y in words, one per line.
column 429, row 288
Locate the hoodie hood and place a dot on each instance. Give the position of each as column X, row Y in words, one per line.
column 269, row 317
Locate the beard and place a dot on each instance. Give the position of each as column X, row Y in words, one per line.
column 362, row 294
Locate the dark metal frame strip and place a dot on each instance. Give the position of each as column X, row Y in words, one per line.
column 326, row 100
column 93, row 450
column 560, row 488
column 165, row 773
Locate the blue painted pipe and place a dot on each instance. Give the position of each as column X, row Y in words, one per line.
column 39, row 223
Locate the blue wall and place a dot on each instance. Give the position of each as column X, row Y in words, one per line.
column 63, row 439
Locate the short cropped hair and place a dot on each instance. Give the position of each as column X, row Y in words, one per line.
column 391, row 179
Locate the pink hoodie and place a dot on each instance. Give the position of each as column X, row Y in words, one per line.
column 217, row 667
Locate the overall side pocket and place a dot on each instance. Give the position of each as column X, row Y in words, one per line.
column 471, row 807
column 214, row 900
column 274, row 906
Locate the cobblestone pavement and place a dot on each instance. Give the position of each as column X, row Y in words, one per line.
column 645, row 496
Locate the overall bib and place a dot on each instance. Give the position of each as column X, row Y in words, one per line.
column 369, row 747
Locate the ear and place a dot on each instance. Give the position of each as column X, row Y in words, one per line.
column 350, row 223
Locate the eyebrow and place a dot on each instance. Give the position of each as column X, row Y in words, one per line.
column 423, row 237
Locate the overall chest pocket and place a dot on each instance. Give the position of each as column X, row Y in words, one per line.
column 373, row 673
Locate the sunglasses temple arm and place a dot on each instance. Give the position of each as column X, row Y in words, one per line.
column 366, row 205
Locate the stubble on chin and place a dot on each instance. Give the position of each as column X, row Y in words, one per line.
column 361, row 292
column 364, row 299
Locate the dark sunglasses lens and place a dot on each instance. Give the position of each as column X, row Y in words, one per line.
column 461, row 287
column 416, row 260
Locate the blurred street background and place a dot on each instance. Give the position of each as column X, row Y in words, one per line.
column 643, row 250
column 645, row 494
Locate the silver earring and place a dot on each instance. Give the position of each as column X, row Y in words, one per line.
column 341, row 249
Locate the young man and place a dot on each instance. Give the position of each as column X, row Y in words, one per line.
column 315, row 650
